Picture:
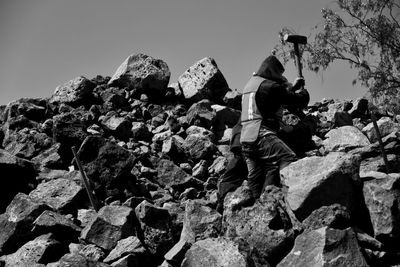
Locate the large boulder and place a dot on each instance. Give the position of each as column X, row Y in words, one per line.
column 143, row 74
column 76, row 92
column 42, row 250
column 326, row 247
column 216, row 252
column 107, row 165
column 203, row 80
column 16, row 222
column 345, row 138
column 382, row 200
column 265, row 226
column 321, row 181
column 17, row 175
column 386, row 126
column 61, row 194
column 111, row 224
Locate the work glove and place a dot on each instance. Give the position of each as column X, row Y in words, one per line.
column 298, row 83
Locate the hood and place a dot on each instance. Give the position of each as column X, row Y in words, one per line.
column 271, row 68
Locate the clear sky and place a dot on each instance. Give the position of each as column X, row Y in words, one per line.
column 44, row 43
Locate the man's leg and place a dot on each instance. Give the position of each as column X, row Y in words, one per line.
column 275, row 155
column 233, row 177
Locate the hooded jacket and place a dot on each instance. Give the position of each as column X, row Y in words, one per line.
column 268, row 88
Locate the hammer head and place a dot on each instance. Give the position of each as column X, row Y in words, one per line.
column 298, row 39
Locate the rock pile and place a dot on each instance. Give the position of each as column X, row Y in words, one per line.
column 153, row 154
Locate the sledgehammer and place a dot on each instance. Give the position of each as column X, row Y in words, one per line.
column 296, row 40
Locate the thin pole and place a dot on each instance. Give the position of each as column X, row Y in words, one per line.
column 378, row 135
column 84, row 178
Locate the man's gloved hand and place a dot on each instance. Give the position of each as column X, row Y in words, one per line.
column 298, row 83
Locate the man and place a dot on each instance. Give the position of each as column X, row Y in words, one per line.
column 263, row 96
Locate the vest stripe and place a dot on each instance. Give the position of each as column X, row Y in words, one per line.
column 251, row 108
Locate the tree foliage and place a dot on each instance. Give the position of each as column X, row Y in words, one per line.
column 366, row 34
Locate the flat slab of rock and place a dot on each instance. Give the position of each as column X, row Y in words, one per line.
column 73, row 93
column 111, row 224
column 345, row 138
column 321, row 181
column 215, row 252
column 143, row 73
column 61, row 194
column 203, row 80
column 325, row 247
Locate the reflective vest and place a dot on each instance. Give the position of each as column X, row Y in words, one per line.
column 251, row 117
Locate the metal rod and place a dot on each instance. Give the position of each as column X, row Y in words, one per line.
column 84, row 178
column 378, row 135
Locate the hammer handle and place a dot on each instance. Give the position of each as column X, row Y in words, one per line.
column 298, row 62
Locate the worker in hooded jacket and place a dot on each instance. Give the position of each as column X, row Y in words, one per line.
column 263, row 96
